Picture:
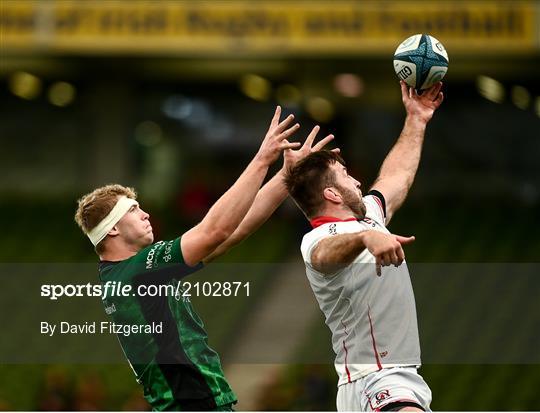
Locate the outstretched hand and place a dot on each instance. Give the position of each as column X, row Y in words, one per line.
column 275, row 140
column 291, row 157
column 386, row 248
column 421, row 106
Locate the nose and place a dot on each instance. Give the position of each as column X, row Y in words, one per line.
column 145, row 215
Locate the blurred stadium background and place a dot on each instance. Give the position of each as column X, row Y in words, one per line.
column 173, row 97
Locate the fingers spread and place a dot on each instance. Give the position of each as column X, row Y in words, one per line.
column 404, row 90
column 289, row 145
column 289, row 132
column 322, row 143
column 433, row 91
column 311, row 136
column 438, row 88
column 275, row 119
column 439, row 99
column 283, row 125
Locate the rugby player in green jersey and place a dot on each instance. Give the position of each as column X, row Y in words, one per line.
column 171, row 359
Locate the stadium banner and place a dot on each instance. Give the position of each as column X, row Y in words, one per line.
column 268, row 28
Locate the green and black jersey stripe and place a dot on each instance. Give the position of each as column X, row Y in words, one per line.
column 176, row 367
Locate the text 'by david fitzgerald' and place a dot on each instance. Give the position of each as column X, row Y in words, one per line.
column 103, row 327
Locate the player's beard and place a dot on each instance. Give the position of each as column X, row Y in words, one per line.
column 353, row 201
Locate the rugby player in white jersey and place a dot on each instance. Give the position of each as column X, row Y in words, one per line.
column 357, row 268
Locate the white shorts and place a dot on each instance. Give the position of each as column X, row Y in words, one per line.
column 378, row 389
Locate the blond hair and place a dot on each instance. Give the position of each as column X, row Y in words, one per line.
column 96, row 205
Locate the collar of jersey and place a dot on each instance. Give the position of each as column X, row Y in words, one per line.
column 318, row 221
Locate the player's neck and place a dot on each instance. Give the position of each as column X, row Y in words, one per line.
column 337, row 211
column 118, row 253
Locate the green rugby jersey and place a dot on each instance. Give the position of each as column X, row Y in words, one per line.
column 175, row 366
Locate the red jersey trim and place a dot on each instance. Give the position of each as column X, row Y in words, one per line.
column 318, row 221
column 347, row 367
column 346, row 354
column 373, row 340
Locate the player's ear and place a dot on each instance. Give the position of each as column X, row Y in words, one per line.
column 114, row 231
column 332, row 195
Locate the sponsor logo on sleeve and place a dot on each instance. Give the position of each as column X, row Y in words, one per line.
column 151, row 262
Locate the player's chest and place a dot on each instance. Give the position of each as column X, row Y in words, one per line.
column 356, row 226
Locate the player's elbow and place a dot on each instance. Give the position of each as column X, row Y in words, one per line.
column 322, row 264
column 316, row 261
column 327, row 269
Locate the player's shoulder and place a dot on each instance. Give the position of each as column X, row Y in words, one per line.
column 166, row 258
column 160, row 252
column 330, row 228
column 157, row 246
column 375, row 206
column 327, row 230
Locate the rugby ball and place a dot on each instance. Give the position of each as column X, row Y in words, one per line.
column 421, row 61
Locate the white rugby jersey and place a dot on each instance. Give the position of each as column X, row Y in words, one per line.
column 372, row 318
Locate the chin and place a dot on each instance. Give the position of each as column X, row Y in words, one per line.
column 148, row 240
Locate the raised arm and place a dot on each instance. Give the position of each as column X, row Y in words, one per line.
column 399, row 168
column 335, row 252
column 229, row 210
column 270, row 196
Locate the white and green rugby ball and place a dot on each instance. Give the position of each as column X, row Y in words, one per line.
column 421, row 61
